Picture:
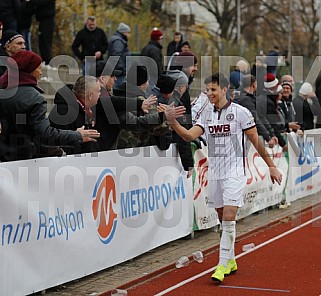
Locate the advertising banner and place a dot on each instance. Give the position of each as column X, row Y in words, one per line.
column 64, row 218
column 304, row 178
column 259, row 192
column 204, row 217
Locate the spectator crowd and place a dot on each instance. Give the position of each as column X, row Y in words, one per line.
column 115, row 104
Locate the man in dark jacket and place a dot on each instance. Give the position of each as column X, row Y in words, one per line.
column 286, row 101
column 45, row 14
column 72, row 110
column 118, row 46
column 9, row 10
column 93, row 42
column 154, row 50
column 175, row 45
column 24, row 109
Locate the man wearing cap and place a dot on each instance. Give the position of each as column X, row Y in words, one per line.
column 24, row 108
column 11, row 43
column 154, row 49
column 93, row 42
column 307, row 108
column 118, row 46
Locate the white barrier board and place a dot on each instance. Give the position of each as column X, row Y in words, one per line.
column 64, row 218
column 304, row 177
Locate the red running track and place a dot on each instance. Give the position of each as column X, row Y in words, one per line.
column 285, row 261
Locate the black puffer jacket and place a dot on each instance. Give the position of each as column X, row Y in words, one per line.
column 90, row 42
column 154, row 50
column 24, row 109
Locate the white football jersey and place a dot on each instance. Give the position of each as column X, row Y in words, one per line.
column 224, row 130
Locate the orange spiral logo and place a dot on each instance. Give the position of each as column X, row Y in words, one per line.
column 104, row 199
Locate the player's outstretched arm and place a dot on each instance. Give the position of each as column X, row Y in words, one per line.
column 188, row 135
column 252, row 135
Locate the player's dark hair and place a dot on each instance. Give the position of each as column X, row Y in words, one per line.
column 219, row 78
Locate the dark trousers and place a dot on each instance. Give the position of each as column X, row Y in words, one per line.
column 46, row 30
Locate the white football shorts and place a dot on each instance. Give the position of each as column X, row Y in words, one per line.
column 226, row 192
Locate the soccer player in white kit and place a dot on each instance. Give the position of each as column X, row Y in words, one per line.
column 226, row 126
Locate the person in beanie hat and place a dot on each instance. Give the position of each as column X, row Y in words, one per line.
column 29, row 131
column 307, row 107
column 185, row 46
column 137, row 75
column 271, row 83
column 118, row 46
column 27, row 61
column 123, row 28
column 286, row 101
column 28, row 65
column 156, row 34
column 306, row 89
column 154, row 50
column 11, row 43
column 165, row 84
column 268, row 107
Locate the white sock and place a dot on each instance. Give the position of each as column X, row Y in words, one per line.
column 227, row 241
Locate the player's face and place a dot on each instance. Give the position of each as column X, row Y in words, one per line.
column 215, row 93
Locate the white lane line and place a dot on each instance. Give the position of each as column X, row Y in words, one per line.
column 252, row 288
column 236, row 257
